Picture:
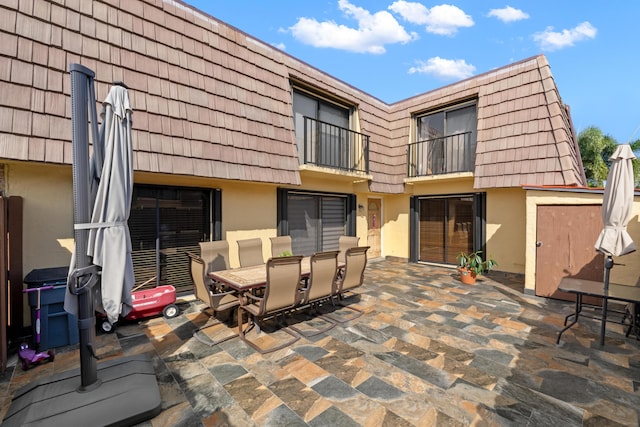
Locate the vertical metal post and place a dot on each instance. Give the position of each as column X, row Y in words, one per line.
column 608, row 265
column 81, row 78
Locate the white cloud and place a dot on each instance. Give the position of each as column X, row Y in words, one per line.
column 550, row 40
column 280, row 46
column 373, row 32
column 508, row 14
column 444, row 68
column 444, row 19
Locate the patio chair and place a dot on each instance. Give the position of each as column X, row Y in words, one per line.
column 320, row 288
column 280, row 245
column 281, row 294
column 353, row 277
column 344, row 243
column 250, row 252
column 215, row 255
column 213, row 295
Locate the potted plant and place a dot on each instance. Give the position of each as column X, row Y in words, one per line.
column 471, row 264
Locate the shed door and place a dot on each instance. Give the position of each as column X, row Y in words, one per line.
column 565, row 239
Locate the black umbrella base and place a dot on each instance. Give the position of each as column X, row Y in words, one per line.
column 128, row 394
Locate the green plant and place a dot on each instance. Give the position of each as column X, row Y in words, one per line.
column 473, row 262
column 286, row 253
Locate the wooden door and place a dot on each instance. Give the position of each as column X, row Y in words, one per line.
column 374, row 217
column 565, row 247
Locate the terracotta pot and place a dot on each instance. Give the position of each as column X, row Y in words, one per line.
column 467, row 277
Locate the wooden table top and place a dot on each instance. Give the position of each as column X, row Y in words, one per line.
column 245, row 278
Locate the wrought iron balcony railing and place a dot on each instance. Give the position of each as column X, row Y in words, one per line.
column 335, row 147
column 447, row 154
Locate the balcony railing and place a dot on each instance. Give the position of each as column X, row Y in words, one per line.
column 447, row 154
column 334, row 147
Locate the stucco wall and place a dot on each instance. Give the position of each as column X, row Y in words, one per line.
column 626, row 272
column 47, row 193
column 47, row 230
column 505, row 228
column 248, row 211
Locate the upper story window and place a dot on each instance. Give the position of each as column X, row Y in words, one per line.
column 307, row 105
column 445, row 141
column 324, row 136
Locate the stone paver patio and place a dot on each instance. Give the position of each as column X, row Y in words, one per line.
column 429, row 351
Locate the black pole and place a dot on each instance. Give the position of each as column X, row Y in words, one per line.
column 81, row 81
column 608, row 264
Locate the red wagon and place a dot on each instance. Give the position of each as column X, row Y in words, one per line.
column 149, row 303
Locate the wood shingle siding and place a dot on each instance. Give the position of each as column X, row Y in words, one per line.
column 523, row 123
column 210, row 101
column 524, row 131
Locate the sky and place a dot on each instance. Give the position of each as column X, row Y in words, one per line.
column 394, row 50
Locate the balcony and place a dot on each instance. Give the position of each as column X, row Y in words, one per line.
column 447, row 154
column 331, row 146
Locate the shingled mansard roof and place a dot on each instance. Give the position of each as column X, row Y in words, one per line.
column 211, row 101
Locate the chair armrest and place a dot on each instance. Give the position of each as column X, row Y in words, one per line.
column 218, row 288
column 217, row 293
column 253, row 297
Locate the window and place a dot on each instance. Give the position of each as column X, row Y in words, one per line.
column 315, row 221
column 317, row 111
column 445, row 141
column 322, row 133
column 164, row 222
column 444, row 226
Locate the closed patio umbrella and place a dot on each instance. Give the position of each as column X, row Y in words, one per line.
column 111, row 188
column 110, row 244
column 118, row 391
column 617, row 205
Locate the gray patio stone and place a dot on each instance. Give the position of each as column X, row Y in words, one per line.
column 378, row 389
column 283, row 416
column 310, row 352
column 333, row 417
column 227, row 372
column 334, row 389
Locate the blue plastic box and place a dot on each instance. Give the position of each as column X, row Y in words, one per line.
column 57, row 327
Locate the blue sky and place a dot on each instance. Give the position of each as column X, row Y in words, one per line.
column 397, row 49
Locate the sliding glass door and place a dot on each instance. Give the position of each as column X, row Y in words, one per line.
column 164, row 223
column 315, row 221
column 446, row 226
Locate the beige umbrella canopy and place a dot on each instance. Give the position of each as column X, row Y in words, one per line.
column 617, row 205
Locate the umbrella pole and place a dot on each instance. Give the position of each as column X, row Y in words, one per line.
column 608, row 265
column 81, row 89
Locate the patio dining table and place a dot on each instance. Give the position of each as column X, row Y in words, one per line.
column 246, row 278
column 616, row 292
